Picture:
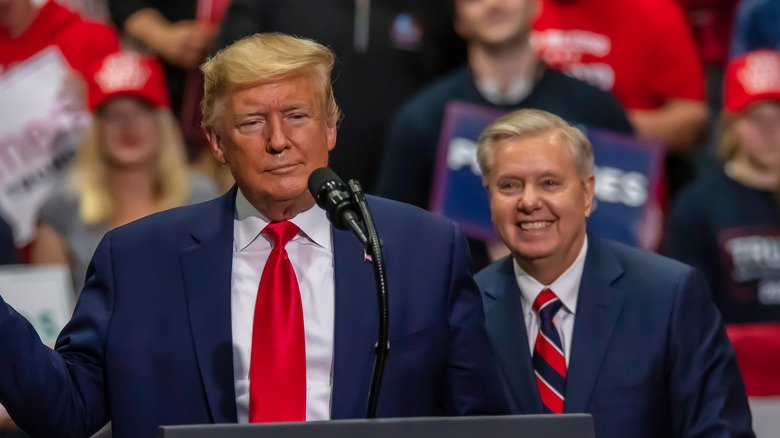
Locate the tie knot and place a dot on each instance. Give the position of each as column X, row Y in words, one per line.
column 281, row 232
column 547, row 304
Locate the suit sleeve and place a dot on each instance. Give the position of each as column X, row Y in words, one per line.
column 60, row 393
column 472, row 371
column 707, row 393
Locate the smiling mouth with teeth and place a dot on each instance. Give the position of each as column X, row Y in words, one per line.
column 534, row 225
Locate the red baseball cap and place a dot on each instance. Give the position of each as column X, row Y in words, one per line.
column 127, row 73
column 751, row 77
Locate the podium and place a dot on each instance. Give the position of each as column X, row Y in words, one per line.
column 498, row 426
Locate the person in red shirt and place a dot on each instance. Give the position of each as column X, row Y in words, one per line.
column 41, row 36
column 641, row 50
column 26, row 29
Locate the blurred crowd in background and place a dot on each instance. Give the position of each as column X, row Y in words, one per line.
column 121, row 138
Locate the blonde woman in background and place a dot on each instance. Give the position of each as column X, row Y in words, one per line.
column 131, row 164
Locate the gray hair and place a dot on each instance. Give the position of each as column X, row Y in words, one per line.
column 529, row 123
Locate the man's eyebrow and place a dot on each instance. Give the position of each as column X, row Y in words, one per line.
column 552, row 173
column 295, row 106
column 287, row 108
column 240, row 116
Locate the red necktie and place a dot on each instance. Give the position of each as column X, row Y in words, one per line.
column 549, row 362
column 277, row 371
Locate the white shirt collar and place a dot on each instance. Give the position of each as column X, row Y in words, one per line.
column 250, row 223
column 566, row 286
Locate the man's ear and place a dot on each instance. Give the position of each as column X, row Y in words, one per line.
column 331, row 132
column 457, row 24
column 589, row 186
column 215, row 142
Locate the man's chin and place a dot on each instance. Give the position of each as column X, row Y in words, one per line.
column 291, row 196
column 532, row 253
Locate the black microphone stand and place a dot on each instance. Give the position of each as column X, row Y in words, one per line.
column 374, row 247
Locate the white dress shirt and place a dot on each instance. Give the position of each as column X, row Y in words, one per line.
column 311, row 255
column 566, row 287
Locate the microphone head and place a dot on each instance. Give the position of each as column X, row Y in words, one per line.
column 322, row 181
column 332, row 195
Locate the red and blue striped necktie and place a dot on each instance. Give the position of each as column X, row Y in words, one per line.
column 549, row 362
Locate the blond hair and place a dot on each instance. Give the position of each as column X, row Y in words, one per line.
column 728, row 143
column 529, row 123
column 90, row 171
column 264, row 58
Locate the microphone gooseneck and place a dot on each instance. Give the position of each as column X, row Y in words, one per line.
column 382, row 346
column 347, row 210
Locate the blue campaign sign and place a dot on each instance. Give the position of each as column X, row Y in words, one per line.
column 628, row 180
column 457, row 191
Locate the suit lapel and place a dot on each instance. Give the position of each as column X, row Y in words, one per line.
column 355, row 326
column 506, row 327
column 598, row 308
column 207, row 271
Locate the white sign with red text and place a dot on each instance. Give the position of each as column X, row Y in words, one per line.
column 42, row 117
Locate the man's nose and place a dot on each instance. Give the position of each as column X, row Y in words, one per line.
column 277, row 137
column 530, row 199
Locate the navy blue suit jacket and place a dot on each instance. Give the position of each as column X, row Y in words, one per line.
column 150, row 339
column 649, row 354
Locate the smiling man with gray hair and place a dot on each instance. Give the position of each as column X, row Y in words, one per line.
column 626, row 335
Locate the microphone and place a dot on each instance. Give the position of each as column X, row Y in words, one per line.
column 331, row 194
column 345, row 208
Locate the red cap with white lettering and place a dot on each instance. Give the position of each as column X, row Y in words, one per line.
column 127, row 74
column 750, row 78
